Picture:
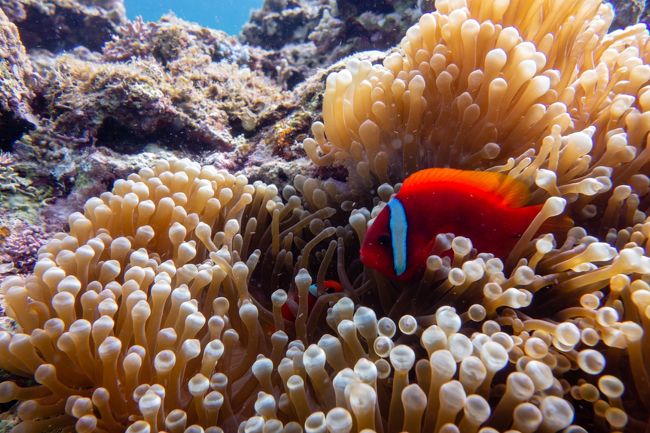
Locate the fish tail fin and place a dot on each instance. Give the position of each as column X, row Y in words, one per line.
column 520, row 218
column 559, row 225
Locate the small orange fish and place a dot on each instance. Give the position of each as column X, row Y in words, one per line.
column 290, row 308
column 486, row 207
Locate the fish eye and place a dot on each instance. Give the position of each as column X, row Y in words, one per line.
column 384, row 240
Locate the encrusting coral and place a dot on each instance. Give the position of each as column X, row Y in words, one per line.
column 19, row 245
column 161, row 309
column 73, row 22
column 16, row 73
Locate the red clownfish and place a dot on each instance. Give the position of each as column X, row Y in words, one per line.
column 486, row 207
column 290, row 308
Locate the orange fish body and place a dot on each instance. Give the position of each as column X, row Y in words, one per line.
column 486, row 207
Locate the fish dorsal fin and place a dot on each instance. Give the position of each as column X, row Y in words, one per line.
column 508, row 190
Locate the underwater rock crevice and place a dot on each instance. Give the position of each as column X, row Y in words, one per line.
column 123, row 139
column 12, row 129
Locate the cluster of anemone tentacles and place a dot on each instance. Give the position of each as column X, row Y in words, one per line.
column 161, row 309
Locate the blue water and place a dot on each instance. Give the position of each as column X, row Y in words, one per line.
column 226, row 15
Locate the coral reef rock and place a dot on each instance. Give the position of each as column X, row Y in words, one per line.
column 16, row 74
column 627, row 12
column 170, row 85
column 58, row 25
column 170, row 81
column 316, row 33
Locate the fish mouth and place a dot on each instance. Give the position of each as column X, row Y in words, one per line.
column 374, row 263
column 368, row 261
column 364, row 258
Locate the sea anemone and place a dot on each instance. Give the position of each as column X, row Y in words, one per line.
column 539, row 91
column 161, row 309
column 150, row 277
column 143, row 318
